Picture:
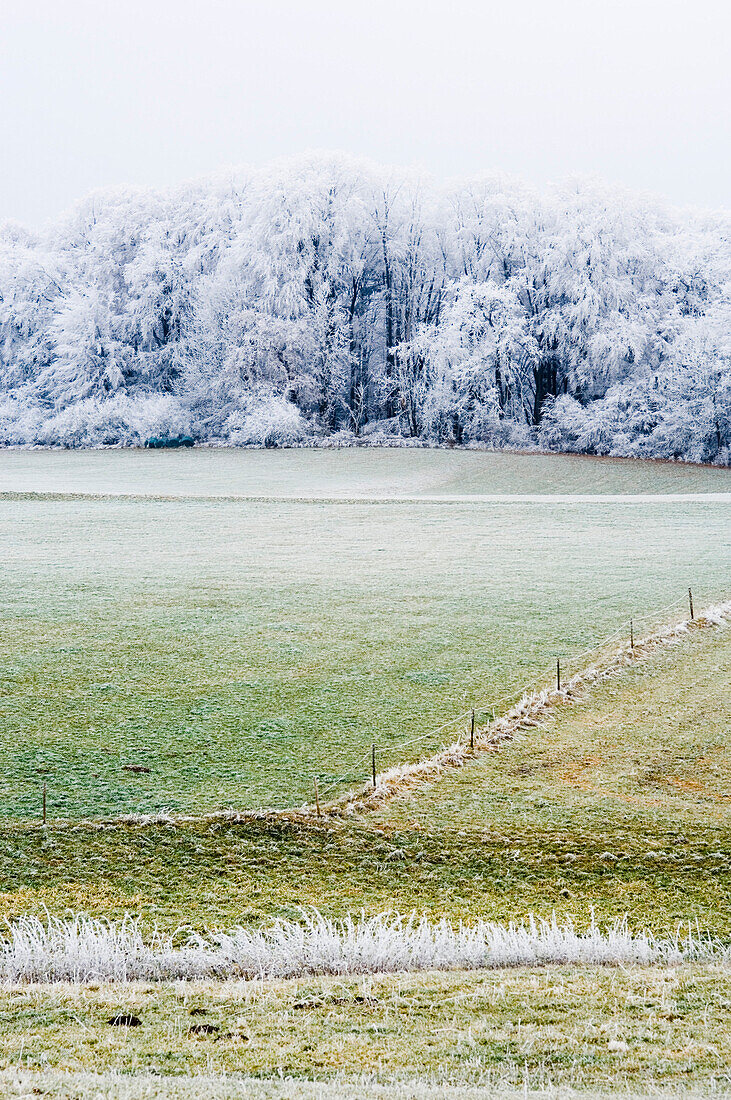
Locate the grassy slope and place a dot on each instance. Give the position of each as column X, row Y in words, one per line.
column 620, row 803
column 337, row 473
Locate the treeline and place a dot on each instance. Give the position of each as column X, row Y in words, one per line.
column 326, row 299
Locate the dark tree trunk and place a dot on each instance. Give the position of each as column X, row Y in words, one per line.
column 391, row 407
column 503, row 390
column 354, row 390
column 546, row 380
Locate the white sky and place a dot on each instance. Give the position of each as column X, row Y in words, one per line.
column 100, row 92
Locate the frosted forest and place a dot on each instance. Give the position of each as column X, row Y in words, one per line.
column 330, row 301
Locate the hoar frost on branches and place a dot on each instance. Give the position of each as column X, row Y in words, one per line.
column 468, row 377
column 324, row 297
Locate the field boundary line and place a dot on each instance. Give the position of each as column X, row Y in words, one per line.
column 530, row 711
column 32, row 496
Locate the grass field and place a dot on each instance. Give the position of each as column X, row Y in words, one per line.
column 368, row 473
column 239, row 648
column 618, row 804
column 596, row 1029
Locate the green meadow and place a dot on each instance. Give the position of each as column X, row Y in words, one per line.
column 618, row 805
column 237, row 623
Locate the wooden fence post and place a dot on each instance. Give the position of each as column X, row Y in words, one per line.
column 317, row 797
column 690, row 598
column 472, row 731
column 631, row 635
column 558, row 674
column 373, row 764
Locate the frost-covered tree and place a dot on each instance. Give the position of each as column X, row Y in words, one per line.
column 87, row 359
column 327, row 296
column 31, row 293
column 465, row 375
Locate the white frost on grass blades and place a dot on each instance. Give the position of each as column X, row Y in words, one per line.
column 64, row 1085
column 83, row 949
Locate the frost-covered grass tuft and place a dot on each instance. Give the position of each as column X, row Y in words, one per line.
column 83, row 949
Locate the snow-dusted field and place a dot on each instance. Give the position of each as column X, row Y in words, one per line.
column 238, row 648
column 359, row 472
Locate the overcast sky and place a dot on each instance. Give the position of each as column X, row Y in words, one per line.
column 150, row 92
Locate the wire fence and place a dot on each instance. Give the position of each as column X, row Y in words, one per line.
column 495, row 706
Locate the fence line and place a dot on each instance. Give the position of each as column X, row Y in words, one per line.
column 539, row 682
